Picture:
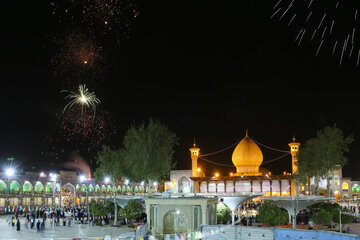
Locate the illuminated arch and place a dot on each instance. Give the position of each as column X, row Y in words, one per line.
column 3, row 186
column 49, row 188
column 103, row 188
column 27, row 187
column 118, row 189
column 77, row 188
column 97, row 188
column 355, row 188
column 14, row 187
column 90, row 188
column 108, row 189
column 39, row 187
column 83, row 188
column 345, row 186
column 123, row 189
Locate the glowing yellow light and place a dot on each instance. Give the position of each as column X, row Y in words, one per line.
column 270, row 173
column 231, row 174
column 198, row 170
column 284, row 173
column 83, row 99
column 85, row 62
column 106, row 22
column 217, row 175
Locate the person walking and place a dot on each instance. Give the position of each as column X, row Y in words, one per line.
column 69, row 222
column 13, row 221
column 38, row 226
column 18, row 225
column 32, row 223
column 26, row 223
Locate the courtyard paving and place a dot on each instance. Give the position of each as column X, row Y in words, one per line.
column 82, row 231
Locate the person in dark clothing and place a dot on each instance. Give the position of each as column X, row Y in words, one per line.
column 32, row 223
column 38, row 226
column 13, row 221
column 64, row 222
column 18, row 225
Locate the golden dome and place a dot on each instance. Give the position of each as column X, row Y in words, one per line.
column 247, row 157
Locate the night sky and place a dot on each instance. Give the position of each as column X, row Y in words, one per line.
column 207, row 69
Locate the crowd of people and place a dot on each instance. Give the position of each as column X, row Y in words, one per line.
column 39, row 218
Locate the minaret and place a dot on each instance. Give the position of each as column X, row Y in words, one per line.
column 194, row 159
column 294, row 149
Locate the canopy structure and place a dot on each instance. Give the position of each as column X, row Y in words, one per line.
column 233, row 201
column 122, row 201
column 294, row 204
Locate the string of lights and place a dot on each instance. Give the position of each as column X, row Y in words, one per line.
column 274, row 149
column 273, row 160
column 224, row 165
column 222, row 150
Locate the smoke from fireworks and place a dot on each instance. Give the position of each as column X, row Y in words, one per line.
column 81, row 132
column 82, row 98
column 78, row 58
column 329, row 24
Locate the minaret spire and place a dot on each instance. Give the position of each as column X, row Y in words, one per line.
column 247, row 134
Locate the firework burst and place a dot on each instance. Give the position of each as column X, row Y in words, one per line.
column 83, row 98
column 329, row 24
column 77, row 57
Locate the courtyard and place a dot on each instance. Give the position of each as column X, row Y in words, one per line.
column 59, row 232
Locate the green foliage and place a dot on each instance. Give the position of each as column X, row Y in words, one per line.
column 322, row 217
column 223, row 213
column 323, row 154
column 149, row 150
column 271, row 214
column 109, row 207
column 109, row 162
column 132, row 210
column 97, row 209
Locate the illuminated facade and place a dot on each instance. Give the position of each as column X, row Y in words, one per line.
column 32, row 189
column 249, row 178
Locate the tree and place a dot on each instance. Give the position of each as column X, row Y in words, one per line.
column 322, row 217
column 323, row 154
column 271, row 214
column 148, row 150
column 110, row 166
column 223, row 213
column 132, row 210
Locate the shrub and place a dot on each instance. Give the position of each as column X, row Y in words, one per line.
column 223, row 213
column 271, row 214
column 322, row 217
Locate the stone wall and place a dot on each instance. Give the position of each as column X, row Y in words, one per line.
column 217, row 232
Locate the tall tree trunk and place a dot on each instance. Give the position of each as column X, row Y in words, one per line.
column 328, row 185
column 132, row 188
column 115, row 207
column 316, row 185
column 150, row 189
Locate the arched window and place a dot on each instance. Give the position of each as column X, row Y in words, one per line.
column 77, row 188
column 123, row 189
column 103, row 188
column 345, row 186
column 2, row 186
column 97, row 188
column 27, row 187
column 118, row 189
column 83, row 188
column 39, row 188
column 336, row 180
column 14, row 187
column 90, row 188
column 48, row 188
column 108, row 189
column 355, row 188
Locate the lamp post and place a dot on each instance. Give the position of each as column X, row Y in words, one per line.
column 9, row 173
column 108, row 180
column 53, row 178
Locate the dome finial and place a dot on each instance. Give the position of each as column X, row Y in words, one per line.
column 294, row 138
column 247, row 135
column 194, row 143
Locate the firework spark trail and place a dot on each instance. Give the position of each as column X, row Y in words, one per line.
column 83, row 98
column 325, row 23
